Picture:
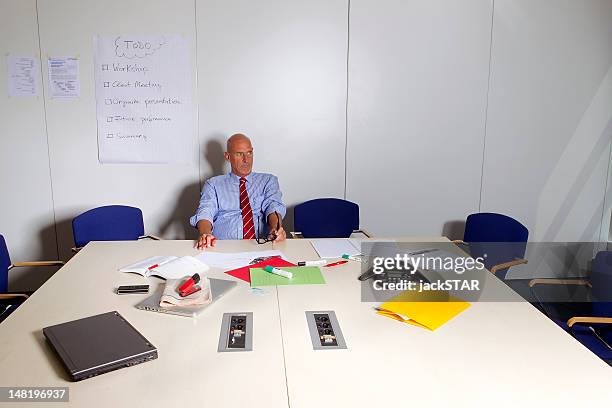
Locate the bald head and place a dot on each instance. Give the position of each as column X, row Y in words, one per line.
column 235, row 138
column 240, row 154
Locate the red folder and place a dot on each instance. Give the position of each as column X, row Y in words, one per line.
column 244, row 272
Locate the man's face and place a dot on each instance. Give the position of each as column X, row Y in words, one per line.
column 240, row 156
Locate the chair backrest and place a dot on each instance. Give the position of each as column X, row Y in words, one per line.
column 326, row 218
column 108, row 223
column 5, row 262
column 493, row 227
column 601, row 282
column 485, row 231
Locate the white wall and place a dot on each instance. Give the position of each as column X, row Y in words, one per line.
column 67, row 28
column 26, row 213
column 417, row 96
column 276, row 70
column 431, row 86
column 550, row 116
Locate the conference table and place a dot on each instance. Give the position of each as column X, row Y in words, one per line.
column 505, row 354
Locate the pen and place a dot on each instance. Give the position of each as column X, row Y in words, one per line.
column 278, row 272
column 313, row 263
column 424, row 251
column 153, row 266
column 351, row 257
column 336, row 263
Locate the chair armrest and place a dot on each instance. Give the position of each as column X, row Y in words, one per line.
column 547, row 281
column 364, row 232
column 589, row 319
column 39, row 263
column 296, row 234
column 153, row 237
column 13, row 295
column 506, row 265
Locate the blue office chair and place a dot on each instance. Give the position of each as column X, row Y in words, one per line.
column 503, row 239
column 327, row 218
column 10, row 301
column 108, row 223
column 588, row 317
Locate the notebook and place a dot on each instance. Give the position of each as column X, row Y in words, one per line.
column 218, row 288
column 167, row 267
column 98, row 344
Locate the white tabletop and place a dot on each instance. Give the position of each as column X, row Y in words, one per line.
column 502, row 354
column 188, row 372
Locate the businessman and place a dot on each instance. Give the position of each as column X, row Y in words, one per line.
column 241, row 204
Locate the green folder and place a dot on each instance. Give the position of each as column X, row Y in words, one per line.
column 302, row 275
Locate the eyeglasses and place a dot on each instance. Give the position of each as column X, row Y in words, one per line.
column 271, row 237
column 242, row 155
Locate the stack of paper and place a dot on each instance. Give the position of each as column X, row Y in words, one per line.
column 233, row 260
column 170, row 297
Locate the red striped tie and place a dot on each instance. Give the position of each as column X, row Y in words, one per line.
column 248, row 229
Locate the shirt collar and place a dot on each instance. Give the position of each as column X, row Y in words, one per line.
column 234, row 177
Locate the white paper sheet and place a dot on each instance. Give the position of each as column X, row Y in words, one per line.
column 23, row 75
column 64, row 79
column 233, row 260
column 144, row 99
column 357, row 241
column 334, row 248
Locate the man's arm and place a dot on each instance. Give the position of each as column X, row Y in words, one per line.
column 204, row 227
column 275, row 222
column 274, row 209
column 206, row 239
column 205, row 214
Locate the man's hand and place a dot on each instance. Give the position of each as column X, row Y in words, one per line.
column 280, row 234
column 277, row 232
column 205, row 241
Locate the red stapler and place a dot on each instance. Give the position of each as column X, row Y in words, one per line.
column 189, row 286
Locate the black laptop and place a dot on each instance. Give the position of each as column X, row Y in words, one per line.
column 98, row 344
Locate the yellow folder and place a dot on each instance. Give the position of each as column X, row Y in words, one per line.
column 429, row 310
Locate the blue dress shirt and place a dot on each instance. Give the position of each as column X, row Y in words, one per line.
column 220, row 203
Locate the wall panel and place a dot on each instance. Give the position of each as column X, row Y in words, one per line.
column 550, row 116
column 417, row 94
column 26, row 216
column 276, row 71
column 80, row 182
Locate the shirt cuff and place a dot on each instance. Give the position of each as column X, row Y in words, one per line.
column 279, row 209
